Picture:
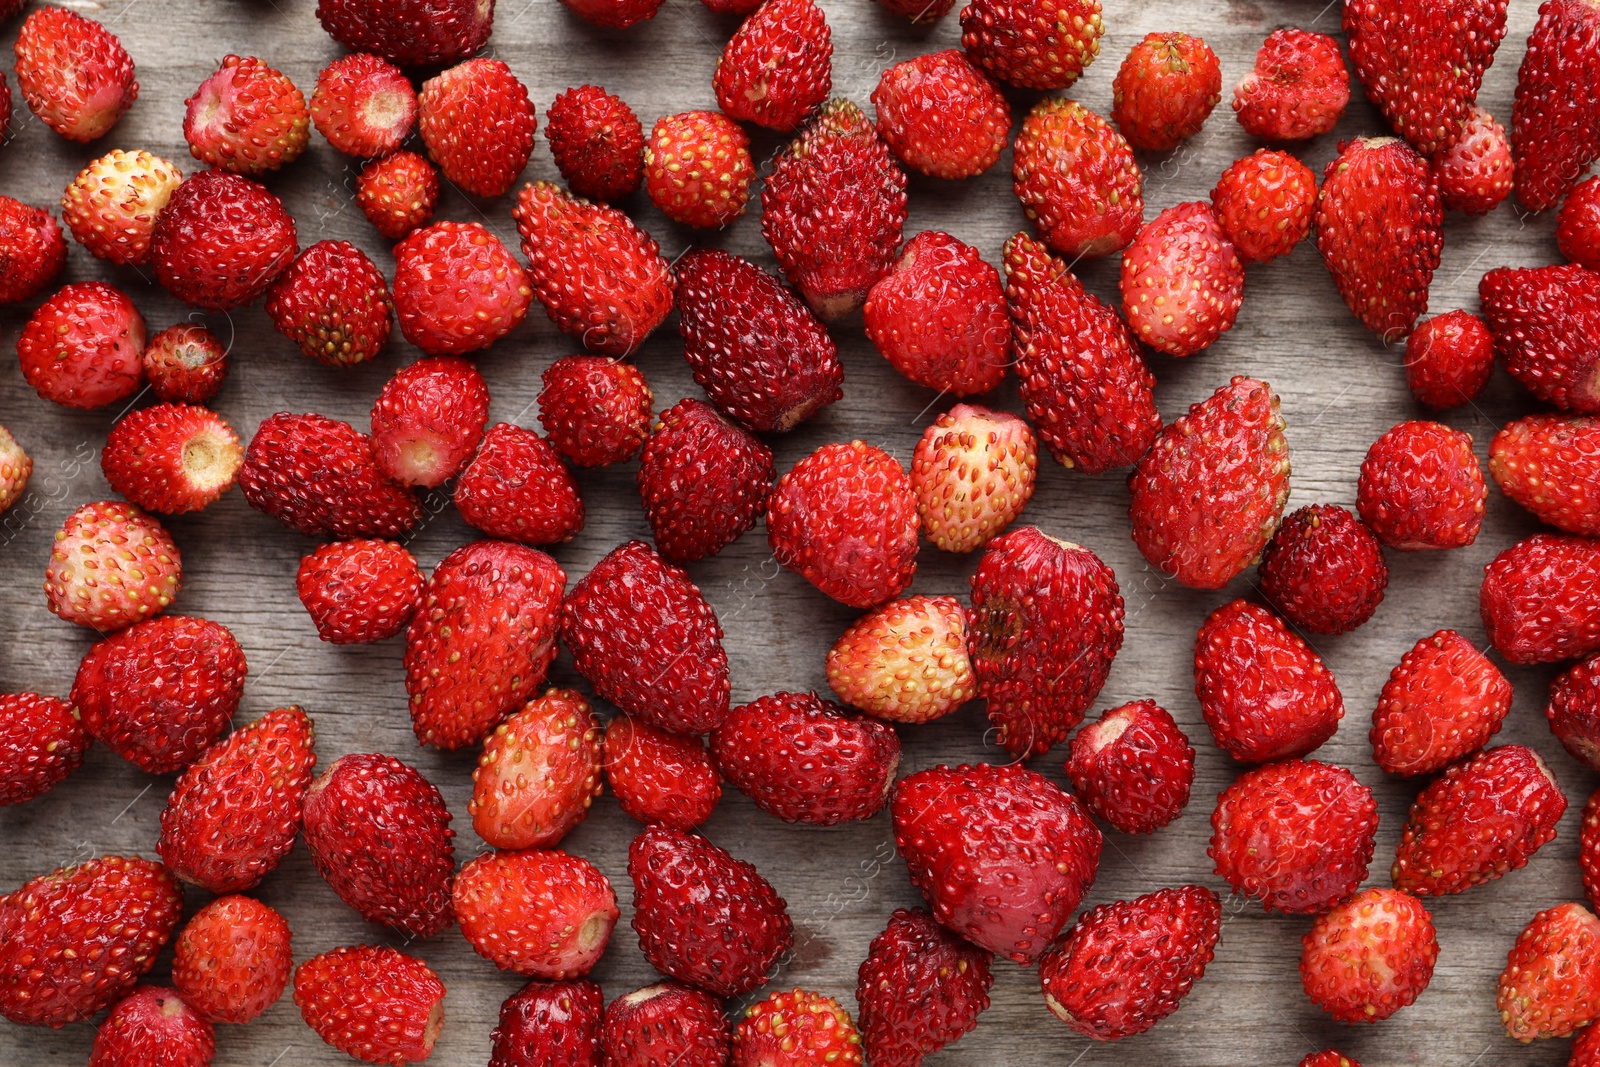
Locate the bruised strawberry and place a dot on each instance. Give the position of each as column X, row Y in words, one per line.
column 1324, row 570
column 539, row 772
column 1076, row 178
column 1133, row 767
column 702, row 480
column 1421, row 487
column 1369, row 956
column 1443, row 700
column 1551, row 983
column 778, row 67
column 1182, row 282
column 333, row 304
column 919, row 989
column 1550, row 464
column 233, row 959
column 1032, row 44
column 658, row 777
column 539, row 912
column 1297, row 90
column 597, row 143
column 1540, row 599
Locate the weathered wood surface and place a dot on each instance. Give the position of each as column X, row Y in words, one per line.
column 1340, row 390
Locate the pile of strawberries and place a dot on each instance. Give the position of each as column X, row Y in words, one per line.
column 1001, row 854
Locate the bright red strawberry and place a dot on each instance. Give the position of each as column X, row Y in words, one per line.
column 1032, row 44
column 613, row 14
column 973, row 473
column 111, row 206
column 1207, row 497
column 703, row 481
column 1444, row 700
column 627, row 289
column 428, row 420
column 1328, row 1058
column 42, row 741
column 318, row 476
column 643, row 635
column 1589, row 847
column 697, row 168
column 1369, row 956
column 550, row 1024
column 1551, row 984
column 702, row 916
column 1449, row 359
column 758, row 352
column 1298, row 88
column 1076, row 178
column 999, row 852
column 247, row 118
column 1585, row 1049
column 919, row 989
column 1133, row 767
column 778, row 67
column 1540, row 599
column 539, row 772
column 81, row 348
column 1474, row 173
column 410, row 33
column 1165, row 90
column 359, row 591
column 32, row 250
column 905, row 661
column 457, row 288
column 1324, row 570
column 333, row 303
column 597, row 143
column 478, row 124
column 941, row 115
column 796, row 1029
column 363, row 105
column 482, row 640
column 845, row 519
column 1544, row 322
column 1182, row 282
column 540, row 912
column 1421, row 487
column 1578, row 228
column 16, row 467
column 374, row 1003
column 111, row 565
column 1264, row 204
column 234, row 812
column 666, row 1024
column 1296, row 835
column 518, row 489
column 1574, row 715
column 1555, row 119
column 185, row 364
column 74, row 74
column 596, row 411
column 1550, row 464
column 172, row 458
column 221, row 241
column 79, row 938
column 232, row 961
column 153, row 1022
column 660, row 777
column 397, row 193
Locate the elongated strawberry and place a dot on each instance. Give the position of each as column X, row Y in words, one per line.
column 1550, row 464
column 1544, row 321
column 597, row 143
column 539, row 912
column 111, row 206
column 73, row 73
column 247, row 118
column 1551, row 983
column 153, row 1018
column 478, row 125
column 1369, row 956
column 941, row 115
column 1324, row 570
column 973, row 473
column 595, row 411
column 42, row 740
column 1574, row 717
column 233, row 959
column 318, row 476
column 1264, row 204
column 1032, row 44
column 1298, row 88
column 1077, row 179
column 702, row 480
column 919, row 989
column 1133, row 767
column 794, row 1029
column 363, row 105
column 1421, row 487
column 333, row 303
column 1182, row 282
column 1443, row 700
column 539, row 772
column 428, row 420
column 374, row 1003
column 1538, row 599
column 1165, row 90
column 1555, row 119
column 517, row 488
column 658, row 777
column 778, row 67
column 666, row 1023
column 172, row 458
column 111, row 566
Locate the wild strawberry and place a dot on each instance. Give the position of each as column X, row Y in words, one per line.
column 794, row 1029
column 703, row 481
column 1165, row 90
column 1538, row 599
column 613, row 14
column 920, row 12
column 702, row 916
column 540, row 912
column 627, row 289
column 778, row 67
column 333, row 303
column 941, row 115
column 1264, row 204
column 42, row 741
column 363, row 105
column 845, row 519
column 478, row 124
column 1297, row 90
column 482, row 639
column 16, row 467
column 1133, row 767
column 247, row 118
column 1444, row 700
column 554, row 1023
column 1324, row 570
column 428, row 420
column 518, row 489
column 1076, row 178
column 1449, row 359
column 643, row 635
column 318, row 476
column 111, row 206
column 74, row 74
column 1208, row 495
column 1182, row 282
column 1555, row 132
column 1040, row 851
column 596, row 411
column 1574, row 715
column 111, row 565
column 232, row 961
column 758, row 352
column 1296, row 835
column 697, row 168
column 539, row 772
column 397, row 193
column 221, row 241
column 1551, row 983
column 359, row 591
column 79, row 938
column 379, row 834
column 172, row 458
column 973, row 473
column 1328, row 1058
column 457, row 288
column 32, row 250
column 81, row 348
column 1550, row 464
column 1543, row 321
column 185, row 364
column 1421, row 487
column 409, row 33
column 666, row 1023
column 1369, row 956
column 659, row 777
column 597, row 143
column 158, row 693
column 1585, row 1048
column 905, row 661
column 1031, row 44
column 1589, row 848
column 1578, row 227
column 1378, row 228
column 919, row 989
column 374, row 1003
column 155, row 1020
column 1474, row 173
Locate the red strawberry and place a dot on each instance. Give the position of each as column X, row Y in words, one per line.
column 1589, row 847
column 1324, row 570
column 111, row 206
column 1550, row 464
column 1574, row 715
column 1296, row 835
column 941, row 115
column 1133, row 767
column 111, row 565
column 185, row 364
column 397, row 193
column 1449, row 359
column 1298, row 88
column 697, row 168
column 16, row 467
column 172, row 458
column 643, row 635
column 758, row 352
column 703, row 481
column 1369, row 956
column 1208, row 495
column 79, row 938
column 1578, row 228
column 363, row 105
column 1421, row 487
column 540, row 912
column 1555, row 131
column 845, row 519
column 550, row 1024
column 613, row 14
column 32, row 250
column 1474, row 173
column 539, row 772
column 478, row 124
column 333, row 303
column 597, row 143
column 1032, row 44
column 627, row 289
column 1444, row 700
column 74, row 74
column 153, row 1021
column 1165, row 90
column 919, row 989
column 905, row 661
column 318, row 476
column 374, row 1003
column 1586, row 1048
column 517, row 488
column 1378, row 228
column 234, row 812
column 660, row 777
column 973, row 473
column 428, row 420
column 221, row 241
column 379, row 834
column 1076, row 178
column 41, row 742
column 1264, row 203
column 1001, row 855
column 81, row 348
column 796, row 1029
column 247, row 118
column 457, row 288
column 1182, row 282
column 1551, row 984
column 410, row 33
column 1328, row 1058
column 666, row 1023
column 596, row 411
column 921, row 12
column 359, row 591
column 778, row 67
column 482, row 639
column 1544, row 321
column 702, row 916
column 233, row 959
column 1539, row 599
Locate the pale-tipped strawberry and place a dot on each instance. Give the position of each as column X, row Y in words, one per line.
column 1578, row 227
column 42, row 740
column 410, row 33
column 778, row 67
column 221, row 241
column 941, row 115
column 233, row 959
column 16, row 467
column 1133, row 767
column 32, row 250
column 333, row 303
column 596, row 411
column 1474, row 173
column 795, row 1029
column 397, row 193
column 1449, row 359
column 374, row 1003
column 1545, row 321
column 363, row 105
column 82, row 347
column 111, row 206
column 1264, row 203
column 702, row 480
column 1444, row 700
column 1032, row 44
column 318, row 476
column 172, row 458
column 539, row 772
column 1538, row 599
column 478, row 124
column 1555, row 118
column 1165, row 90
column 111, row 565
column 185, row 364
column 538, row 912
column 1369, row 956
column 428, row 420
column 517, row 488
column 550, row 1023
column 1551, row 983
column 1574, row 717
column 73, row 73
column 973, row 473
column 597, row 143
column 359, row 591
column 666, row 1023
column 153, row 1018
column 905, row 661
column 1076, row 178
column 1324, row 570
column 1550, row 464
column 1182, row 281
column 457, row 289
column 659, row 777
column 919, row 989
column 247, row 118
column 697, row 168
column 1298, row 88
column 1421, row 487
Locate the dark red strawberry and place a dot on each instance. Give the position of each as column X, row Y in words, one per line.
column 1577, row 229
column 1076, row 178
column 1182, row 281
column 411, row 33
column 1555, row 120
column 919, row 989
column 597, row 143
column 457, row 289
column 538, row 912
column 1540, row 599
column 428, row 420
column 1589, row 848
column 359, row 591
column 221, row 241
column 539, row 772
column 703, row 481
column 82, row 347
column 41, row 742
column 73, row 73
column 1551, row 984
column 1421, row 487
column 1324, row 570
column 1165, row 90
column 1449, row 359
column 478, row 125
column 155, row 1021
column 1550, row 464
column 363, row 105
column 1264, row 204
column 778, row 67
column 1298, row 88
column 518, row 488
column 397, row 193
column 232, row 961
column 596, row 411
column 1369, row 956
column 317, row 475
column 666, row 1023
column 1032, row 44
column 1574, row 714
column 550, row 1024
column 247, row 118
column 659, row 777
column 333, row 303
column 941, row 115
column 1443, row 700
column 32, row 250
column 1545, row 322
column 1133, row 767
column 374, row 1003
column 172, row 458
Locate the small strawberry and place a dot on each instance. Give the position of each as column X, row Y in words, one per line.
column 941, row 115
column 153, row 1021
column 1444, row 700
column 702, row 916
column 16, row 467
column 1297, row 90
column 597, row 143
column 596, row 411
column 1296, row 835
column 660, row 777
column 359, row 591
column 540, row 912
column 1264, row 204
column 1182, row 282
column 1076, row 178
column 1328, row 1058
column 1555, row 119
column 613, row 14
column 539, row 772
column 333, row 303
column 518, row 489
column 905, row 661
column 74, row 73
column 1578, row 227
column 1589, row 847
column 1133, row 767
column 397, row 193
column 1539, row 599
column 697, row 168
column 643, row 635
column 778, row 67
column 702, row 480
column 920, row 12
column 81, row 349
column 318, row 476
column 478, row 124
column 1474, row 173
column 111, row 565
column 1032, row 44
column 32, row 250
column 1544, row 322
column 1369, row 956
column 1324, row 570
column 796, row 1029
column 111, row 206
column 247, row 118
column 221, row 241
column 1449, row 359
column 428, row 420
column 185, row 364
column 1165, row 90
column 550, row 1024
column 1040, row 851
column 232, row 961
column 845, row 519
column 919, row 989
column 1550, row 464
column 409, row 33
column 363, row 105
column 1421, row 487
column 666, row 1023
column 1551, row 984
column 172, row 458
column 457, row 288
column 1574, row 715
column 374, row 1003
column 973, row 473
column 1585, row 1048
column 42, row 741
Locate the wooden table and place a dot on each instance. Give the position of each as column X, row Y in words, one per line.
column 1340, row 387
